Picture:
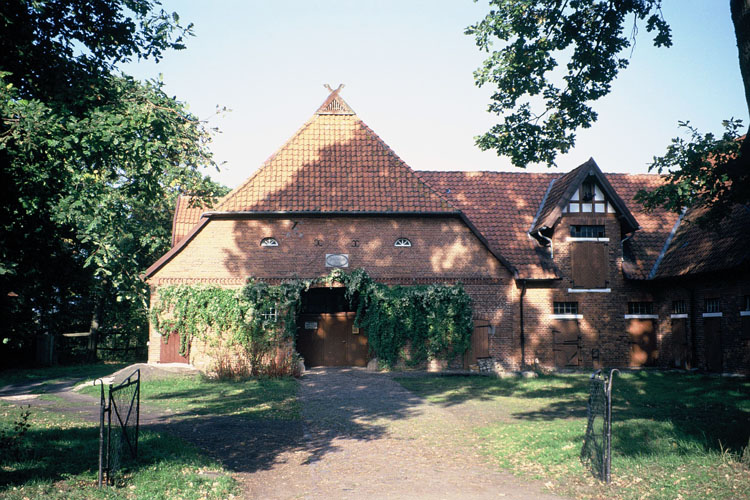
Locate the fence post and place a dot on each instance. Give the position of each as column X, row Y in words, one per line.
column 608, row 461
column 102, row 404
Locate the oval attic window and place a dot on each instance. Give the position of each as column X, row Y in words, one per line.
column 402, row 243
column 269, row 242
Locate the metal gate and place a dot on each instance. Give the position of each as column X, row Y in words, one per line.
column 597, row 442
column 123, row 401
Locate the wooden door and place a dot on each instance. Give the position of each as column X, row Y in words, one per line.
column 745, row 320
column 642, row 334
column 170, row 352
column 335, row 346
column 712, row 334
column 679, row 342
column 566, row 338
column 331, row 340
column 358, row 353
column 480, row 343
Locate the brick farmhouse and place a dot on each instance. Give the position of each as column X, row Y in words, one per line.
column 563, row 270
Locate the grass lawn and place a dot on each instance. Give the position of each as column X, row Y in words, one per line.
column 674, row 436
column 58, row 458
column 196, row 395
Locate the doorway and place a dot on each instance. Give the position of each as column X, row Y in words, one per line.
column 326, row 335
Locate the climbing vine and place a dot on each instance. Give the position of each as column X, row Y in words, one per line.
column 415, row 323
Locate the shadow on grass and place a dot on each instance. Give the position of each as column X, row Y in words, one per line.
column 50, row 453
column 53, row 379
column 651, row 410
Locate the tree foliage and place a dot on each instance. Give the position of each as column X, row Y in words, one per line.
column 704, row 171
column 92, row 161
column 543, row 104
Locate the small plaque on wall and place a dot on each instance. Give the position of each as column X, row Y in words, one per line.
column 355, row 330
column 337, row 260
column 311, row 325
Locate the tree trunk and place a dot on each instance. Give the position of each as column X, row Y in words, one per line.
column 94, row 331
column 740, row 10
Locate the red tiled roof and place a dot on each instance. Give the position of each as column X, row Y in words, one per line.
column 563, row 188
column 501, row 205
column 695, row 249
column 644, row 247
column 185, row 218
column 334, row 163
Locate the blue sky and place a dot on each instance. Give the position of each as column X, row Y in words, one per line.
column 407, row 67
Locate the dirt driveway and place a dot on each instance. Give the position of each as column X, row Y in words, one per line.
column 362, row 435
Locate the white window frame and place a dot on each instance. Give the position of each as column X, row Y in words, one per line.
column 641, row 316
column 402, row 243
column 269, row 242
column 566, row 316
column 270, row 314
column 576, row 238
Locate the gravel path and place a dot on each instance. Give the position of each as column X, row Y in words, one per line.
column 362, row 435
column 365, row 436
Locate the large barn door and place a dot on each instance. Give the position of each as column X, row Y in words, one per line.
column 712, row 334
column 642, row 334
column 330, row 339
column 566, row 337
column 170, row 352
column 680, row 342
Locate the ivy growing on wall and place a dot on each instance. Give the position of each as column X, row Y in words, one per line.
column 432, row 321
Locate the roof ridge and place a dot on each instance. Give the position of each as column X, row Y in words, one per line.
column 668, row 242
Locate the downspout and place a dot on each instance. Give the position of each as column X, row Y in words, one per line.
column 622, row 249
column 523, row 334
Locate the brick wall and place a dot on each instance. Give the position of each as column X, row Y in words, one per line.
column 603, row 327
column 443, row 249
column 729, row 288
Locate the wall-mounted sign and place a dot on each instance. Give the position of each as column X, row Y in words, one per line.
column 355, row 330
column 337, row 260
column 311, row 325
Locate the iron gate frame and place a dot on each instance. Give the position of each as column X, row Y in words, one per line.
column 599, row 385
column 106, row 406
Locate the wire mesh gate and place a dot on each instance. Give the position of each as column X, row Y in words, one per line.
column 123, row 402
column 596, row 452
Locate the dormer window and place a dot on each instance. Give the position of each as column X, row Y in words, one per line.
column 589, row 198
column 269, row 242
column 587, row 191
column 402, row 243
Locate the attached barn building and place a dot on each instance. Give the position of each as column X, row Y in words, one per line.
column 564, row 270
